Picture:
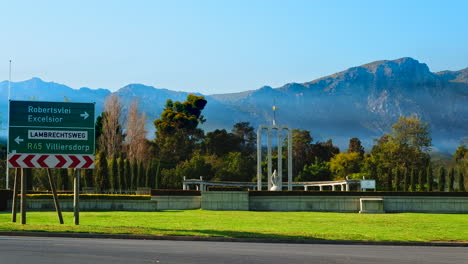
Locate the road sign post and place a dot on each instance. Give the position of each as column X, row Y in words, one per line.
column 51, row 135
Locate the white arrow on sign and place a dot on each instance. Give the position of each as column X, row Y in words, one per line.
column 84, row 115
column 18, row 140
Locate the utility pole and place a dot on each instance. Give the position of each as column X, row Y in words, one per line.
column 8, row 124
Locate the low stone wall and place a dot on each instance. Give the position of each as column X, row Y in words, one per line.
column 426, row 204
column 225, row 200
column 173, row 202
column 93, row 205
column 305, row 203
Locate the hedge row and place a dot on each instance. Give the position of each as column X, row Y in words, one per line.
column 91, row 196
column 378, row 193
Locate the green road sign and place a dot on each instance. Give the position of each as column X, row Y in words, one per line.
column 51, row 128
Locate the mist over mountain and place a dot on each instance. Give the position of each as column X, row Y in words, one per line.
column 359, row 102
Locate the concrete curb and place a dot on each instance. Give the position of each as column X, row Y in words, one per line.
column 225, row 239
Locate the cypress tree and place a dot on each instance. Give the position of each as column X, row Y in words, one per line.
column 421, row 180
column 128, row 174
column 451, row 179
column 461, row 181
column 405, row 180
column 141, row 175
column 134, row 174
column 441, row 179
column 121, row 167
column 64, row 180
column 148, row 173
column 413, row 180
column 115, row 174
column 101, row 178
column 429, row 178
column 397, row 180
column 156, row 175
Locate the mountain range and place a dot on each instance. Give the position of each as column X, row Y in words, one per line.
column 362, row 101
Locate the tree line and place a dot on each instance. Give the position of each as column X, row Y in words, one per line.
column 126, row 159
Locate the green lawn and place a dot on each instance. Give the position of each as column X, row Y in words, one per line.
column 294, row 225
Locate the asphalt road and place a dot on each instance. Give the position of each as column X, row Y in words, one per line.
column 36, row 250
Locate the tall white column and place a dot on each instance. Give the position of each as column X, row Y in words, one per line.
column 289, row 160
column 259, row 159
column 270, row 165
column 280, row 158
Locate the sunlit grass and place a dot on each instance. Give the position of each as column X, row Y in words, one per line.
column 293, row 225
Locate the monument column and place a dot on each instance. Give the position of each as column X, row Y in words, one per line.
column 280, row 158
column 270, row 165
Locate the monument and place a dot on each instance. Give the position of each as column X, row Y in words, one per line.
column 279, row 136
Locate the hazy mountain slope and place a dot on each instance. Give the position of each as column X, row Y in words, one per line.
column 359, row 102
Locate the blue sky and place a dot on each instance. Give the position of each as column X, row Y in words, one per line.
column 222, row 46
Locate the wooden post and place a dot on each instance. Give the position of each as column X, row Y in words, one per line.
column 76, row 197
column 23, row 197
column 54, row 194
column 14, row 204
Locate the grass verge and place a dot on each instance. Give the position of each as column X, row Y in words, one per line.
column 248, row 224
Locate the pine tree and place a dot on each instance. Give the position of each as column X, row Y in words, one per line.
column 429, row 178
column 441, row 179
column 451, row 179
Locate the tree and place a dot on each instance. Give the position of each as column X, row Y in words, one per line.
column 220, row 142
column 430, row 178
column 248, row 137
column 101, row 177
column 345, row 164
column 405, row 180
column 451, row 179
column 355, row 146
column 421, row 180
column 406, row 147
column 413, row 132
column 134, row 165
column 176, row 129
column 413, row 180
column 112, row 137
column 317, row 171
column 121, row 173
column 114, row 179
column 461, row 182
column 128, row 174
column 397, row 174
column 441, row 179
column 135, row 138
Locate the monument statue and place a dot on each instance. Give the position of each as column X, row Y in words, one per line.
column 275, row 182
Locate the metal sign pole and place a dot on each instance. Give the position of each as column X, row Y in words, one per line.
column 14, row 204
column 76, row 197
column 23, row 197
column 54, row 194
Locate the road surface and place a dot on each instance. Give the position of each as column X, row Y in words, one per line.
column 114, row 251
